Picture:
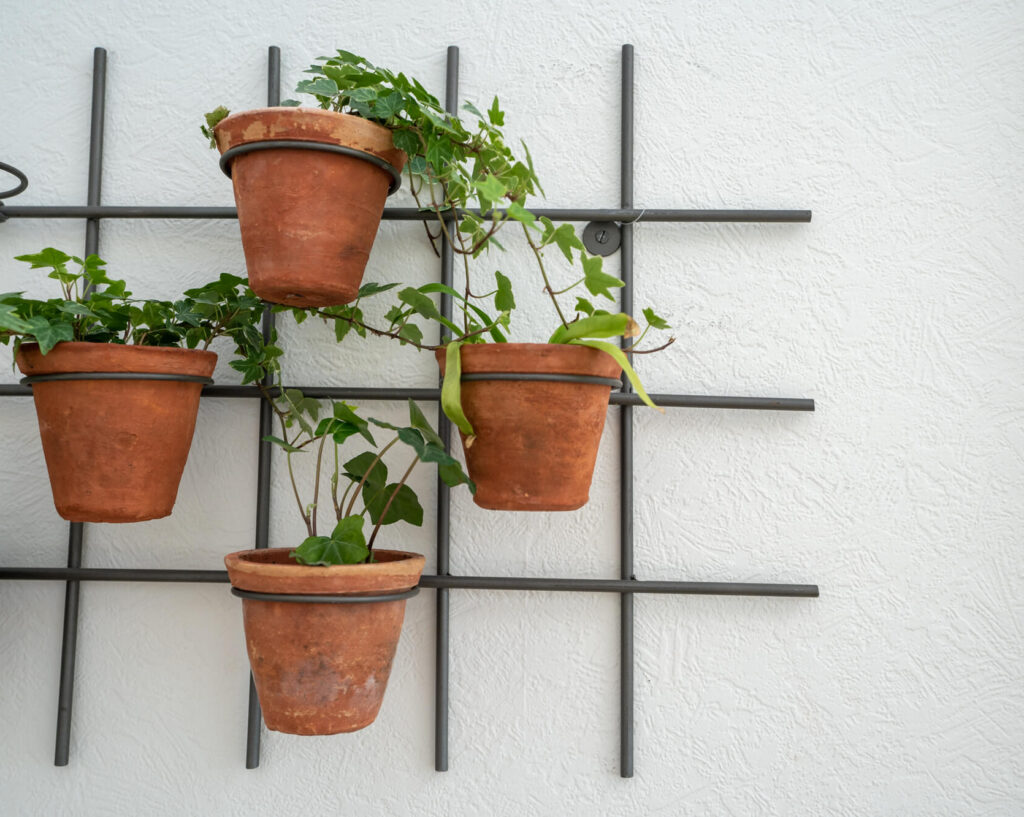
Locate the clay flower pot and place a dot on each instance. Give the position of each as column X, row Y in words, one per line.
column 321, row 668
column 308, row 216
column 115, row 448
column 536, row 440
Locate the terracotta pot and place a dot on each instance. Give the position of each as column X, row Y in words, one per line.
column 321, row 669
column 115, row 449
column 536, row 441
column 308, row 218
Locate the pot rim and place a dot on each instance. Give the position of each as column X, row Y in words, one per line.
column 401, row 570
column 90, row 356
column 297, row 111
column 362, row 134
column 550, row 358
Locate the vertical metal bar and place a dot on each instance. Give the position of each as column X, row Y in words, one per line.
column 69, row 640
column 262, row 539
column 626, row 433
column 441, row 666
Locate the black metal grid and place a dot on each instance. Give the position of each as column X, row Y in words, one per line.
column 626, row 585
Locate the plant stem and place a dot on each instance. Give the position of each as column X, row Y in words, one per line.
column 571, row 286
column 423, row 347
column 416, row 198
column 316, row 482
column 305, row 517
column 334, row 486
column 544, row 274
column 387, row 507
column 381, row 333
column 359, row 487
column 665, row 345
column 344, row 496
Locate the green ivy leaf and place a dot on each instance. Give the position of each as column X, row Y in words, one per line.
column 405, row 507
column 495, row 114
column 11, row 321
column 654, row 320
column 597, row 326
column 321, row 86
column 491, row 190
column 371, row 288
column 598, row 281
column 49, row 334
column 453, row 476
column 519, row 213
column 214, row 117
column 504, row 301
column 356, row 468
column 406, row 140
column 345, row 413
column 422, row 305
column 567, row 240
column 291, row 449
column 584, row 306
column 252, row 370
column 345, row 546
column 389, row 105
column 412, row 333
column 418, row 420
column 451, row 391
column 48, row 257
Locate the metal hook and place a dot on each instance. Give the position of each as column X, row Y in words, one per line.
column 22, row 178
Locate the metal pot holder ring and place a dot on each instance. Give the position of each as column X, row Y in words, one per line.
column 45, row 378
column 591, row 380
column 306, row 598
column 298, row 144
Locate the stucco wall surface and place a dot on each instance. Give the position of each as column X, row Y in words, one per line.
column 899, row 309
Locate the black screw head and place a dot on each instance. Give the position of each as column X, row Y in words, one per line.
column 602, row 237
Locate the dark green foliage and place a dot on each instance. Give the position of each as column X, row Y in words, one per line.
column 108, row 313
column 362, row 478
column 462, row 171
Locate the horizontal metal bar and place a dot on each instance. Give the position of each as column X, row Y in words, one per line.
column 453, row 582
column 626, row 214
column 428, row 394
column 620, row 586
column 112, row 574
column 115, row 211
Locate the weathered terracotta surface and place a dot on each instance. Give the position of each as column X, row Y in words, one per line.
column 321, row 669
column 115, row 449
column 536, row 442
column 308, row 218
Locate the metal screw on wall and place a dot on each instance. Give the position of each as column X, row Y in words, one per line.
column 602, row 237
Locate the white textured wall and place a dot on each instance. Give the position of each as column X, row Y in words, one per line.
column 899, row 309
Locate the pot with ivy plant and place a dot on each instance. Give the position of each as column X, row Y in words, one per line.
column 322, row 620
column 530, row 415
column 310, row 186
column 116, row 381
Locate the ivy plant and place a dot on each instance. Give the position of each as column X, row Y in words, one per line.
column 463, row 172
column 360, row 488
column 95, row 308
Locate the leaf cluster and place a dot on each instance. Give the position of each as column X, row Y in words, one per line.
column 95, row 308
column 462, row 170
column 359, row 487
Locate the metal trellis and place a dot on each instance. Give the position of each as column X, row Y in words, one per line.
column 627, row 585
